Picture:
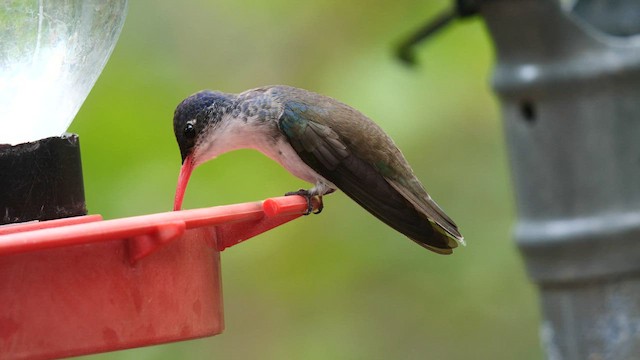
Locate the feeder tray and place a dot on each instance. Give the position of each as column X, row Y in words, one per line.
column 84, row 285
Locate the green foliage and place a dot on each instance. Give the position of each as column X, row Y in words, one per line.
column 340, row 285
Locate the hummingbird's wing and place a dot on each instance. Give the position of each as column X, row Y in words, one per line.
column 336, row 159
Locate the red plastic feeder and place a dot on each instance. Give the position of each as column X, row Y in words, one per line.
column 85, row 285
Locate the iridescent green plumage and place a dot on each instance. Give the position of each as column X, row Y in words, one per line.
column 353, row 152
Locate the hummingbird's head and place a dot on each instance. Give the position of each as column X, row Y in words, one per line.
column 194, row 124
column 194, row 117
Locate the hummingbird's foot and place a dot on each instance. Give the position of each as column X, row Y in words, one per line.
column 308, row 195
column 320, row 203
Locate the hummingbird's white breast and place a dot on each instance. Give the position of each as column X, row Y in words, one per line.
column 233, row 134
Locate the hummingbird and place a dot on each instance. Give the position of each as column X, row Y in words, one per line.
column 319, row 140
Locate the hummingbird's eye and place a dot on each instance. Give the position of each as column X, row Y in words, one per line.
column 189, row 131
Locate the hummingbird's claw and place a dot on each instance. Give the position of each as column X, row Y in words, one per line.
column 320, row 205
column 309, row 197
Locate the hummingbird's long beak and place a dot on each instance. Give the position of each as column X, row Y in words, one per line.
column 183, row 179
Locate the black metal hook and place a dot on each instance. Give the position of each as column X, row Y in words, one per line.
column 462, row 9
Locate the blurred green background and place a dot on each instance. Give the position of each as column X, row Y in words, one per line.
column 340, row 285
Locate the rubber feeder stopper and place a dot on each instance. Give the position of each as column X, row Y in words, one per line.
column 41, row 180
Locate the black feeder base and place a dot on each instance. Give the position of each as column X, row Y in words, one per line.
column 41, row 180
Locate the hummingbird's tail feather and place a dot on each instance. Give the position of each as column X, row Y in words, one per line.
column 425, row 204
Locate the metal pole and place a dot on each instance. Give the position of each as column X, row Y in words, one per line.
column 569, row 84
